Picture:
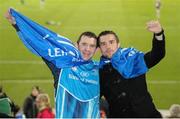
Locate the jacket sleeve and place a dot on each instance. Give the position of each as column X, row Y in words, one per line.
column 157, row 52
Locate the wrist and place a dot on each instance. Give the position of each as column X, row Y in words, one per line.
column 159, row 36
column 159, row 33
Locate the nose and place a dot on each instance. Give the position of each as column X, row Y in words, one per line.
column 107, row 46
column 88, row 48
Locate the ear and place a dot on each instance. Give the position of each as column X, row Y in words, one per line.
column 118, row 45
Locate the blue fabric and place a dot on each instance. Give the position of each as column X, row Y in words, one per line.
column 78, row 92
column 47, row 44
column 129, row 62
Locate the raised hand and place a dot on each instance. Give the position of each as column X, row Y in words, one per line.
column 9, row 17
column 154, row 26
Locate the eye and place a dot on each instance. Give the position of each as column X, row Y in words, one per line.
column 102, row 43
column 112, row 41
column 84, row 44
column 92, row 46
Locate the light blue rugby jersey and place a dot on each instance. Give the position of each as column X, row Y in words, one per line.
column 77, row 93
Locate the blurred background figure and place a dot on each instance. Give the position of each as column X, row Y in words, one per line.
column 22, row 2
column 6, row 105
column 158, row 7
column 51, row 22
column 174, row 111
column 29, row 107
column 104, row 108
column 42, row 3
column 18, row 113
column 44, row 107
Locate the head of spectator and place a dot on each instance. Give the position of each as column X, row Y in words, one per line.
column 35, row 91
column 44, row 107
column 2, row 94
column 43, row 101
column 174, row 111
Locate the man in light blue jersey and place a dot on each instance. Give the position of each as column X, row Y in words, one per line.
column 76, row 75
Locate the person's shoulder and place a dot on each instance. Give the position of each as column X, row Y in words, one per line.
column 46, row 113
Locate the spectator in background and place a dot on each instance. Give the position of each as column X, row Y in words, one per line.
column 22, row 2
column 18, row 114
column 29, row 107
column 44, row 107
column 42, row 3
column 174, row 111
column 6, row 105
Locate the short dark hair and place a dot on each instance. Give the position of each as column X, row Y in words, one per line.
column 36, row 87
column 106, row 32
column 88, row 34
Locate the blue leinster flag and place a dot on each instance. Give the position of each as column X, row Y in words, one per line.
column 47, row 44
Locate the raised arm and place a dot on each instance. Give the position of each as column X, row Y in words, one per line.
column 158, row 44
column 44, row 42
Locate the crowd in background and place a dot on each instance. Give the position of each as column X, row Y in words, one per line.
column 37, row 105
